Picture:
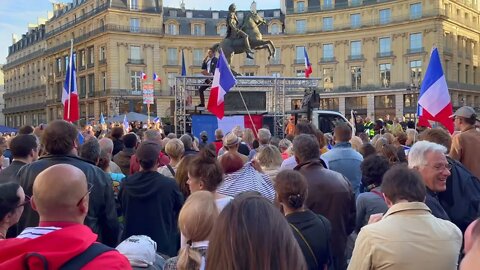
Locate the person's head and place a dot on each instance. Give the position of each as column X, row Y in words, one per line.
column 356, row 143
column 401, row 138
column 175, row 149
column 196, row 220
column 342, row 133
column 291, row 189
column 106, row 144
column 147, row 155
column 24, row 147
column 412, row 135
column 238, row 242
column 284, row 144
column 130, row 140
column 172, row 136
column 60, row 138
column 187, row 141
column 402, row 184
column 380, row 142
column 204, row 136
column 322, row 141
column 437, row 135
column 204, row 172
column 367, row 149
column 25, row 130
column 232, row 8
column 61, row 194
column 248, row 136
column 304, row 128
column 153, row 135
column 218, row 134
column 464, row 118
column 274, row 141
column 238, row 130
column 104, row 160
column 390, row 153
column 472, row 234
column 269, row 157
column 210, row 53
column 472, row 246
column 231, row 162
column 90, row 150
column 430, row 161
column 389, row 137
column 264, row 136
column 231, row 142
column 373, row 168
column 12, row 202
column 181, row 175
column 117, row 132
column 305, row 148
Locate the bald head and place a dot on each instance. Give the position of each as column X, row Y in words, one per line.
column 106, row 145
column 60, row 194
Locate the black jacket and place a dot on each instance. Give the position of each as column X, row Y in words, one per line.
column 213, row 65
column 150, row 204
column 102, row 215
column 431, row 200
column 316, row 231
column 9, row 174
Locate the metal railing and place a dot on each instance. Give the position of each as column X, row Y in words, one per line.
column 355, row 57
column 25, row 91
column 25, row 108
column 24, row 59
column 328, row 59
column 385, row 54
column 135, row 61
column 416, row 50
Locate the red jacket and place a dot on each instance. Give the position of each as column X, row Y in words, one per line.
column 135, row 165
column 58, row 247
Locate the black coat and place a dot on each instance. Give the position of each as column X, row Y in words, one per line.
column 213, row 65
column 102, row 215
column 9, row 174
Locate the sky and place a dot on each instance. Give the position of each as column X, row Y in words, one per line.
column 15, row 15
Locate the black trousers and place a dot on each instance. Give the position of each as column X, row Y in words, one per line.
column 202, row 89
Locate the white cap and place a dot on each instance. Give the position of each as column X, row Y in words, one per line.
column 139, row 250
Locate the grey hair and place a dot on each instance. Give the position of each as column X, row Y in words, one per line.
column 187, row 141
column 264, row 136
column 106, row 144
column 416, row 155
column 284, row 144
column 90, row 150
column 306, row 147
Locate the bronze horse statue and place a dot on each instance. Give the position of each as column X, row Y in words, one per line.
column 250, row 25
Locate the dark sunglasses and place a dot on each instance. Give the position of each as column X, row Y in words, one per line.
column 90, row 186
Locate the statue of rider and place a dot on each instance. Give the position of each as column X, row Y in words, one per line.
column 233, row 31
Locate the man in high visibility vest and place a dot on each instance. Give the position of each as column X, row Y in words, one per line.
column 368, row 126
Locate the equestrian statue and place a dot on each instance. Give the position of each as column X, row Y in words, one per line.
column 244, row 38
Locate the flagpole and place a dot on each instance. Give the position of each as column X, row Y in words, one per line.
column 70, row 75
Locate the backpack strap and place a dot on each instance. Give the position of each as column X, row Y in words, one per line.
column 170, row 168
column 306, row 242
column 79, row 261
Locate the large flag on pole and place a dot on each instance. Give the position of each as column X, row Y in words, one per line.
column 126, row 125
column 308, row 65
column 434, row 101
column 184, row 68
column 223, row 81
column 69, row 94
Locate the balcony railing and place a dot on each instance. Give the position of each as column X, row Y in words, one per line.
column 25, row 91
column 102, row 61
column 90, row 65
column 25, row 108
column 328, row 59
column 300, row 61
column 416, row 50
column 355, row 57
column 172, row 62
column 24, row 59
column 385, row 54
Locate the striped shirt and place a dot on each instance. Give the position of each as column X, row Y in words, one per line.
column 247, row 179
column 34, row 232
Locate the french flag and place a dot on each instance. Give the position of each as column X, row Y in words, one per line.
column 434, row 101
column 144, row 76
column 308, row 66
column 71, row 111
column 156, row 78
column 223, row 81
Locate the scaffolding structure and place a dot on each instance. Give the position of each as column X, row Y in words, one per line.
column 275, row 88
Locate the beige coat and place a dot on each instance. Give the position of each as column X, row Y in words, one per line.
column 408, row 237
column 466, row 149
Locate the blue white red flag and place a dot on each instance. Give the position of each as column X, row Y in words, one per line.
column 434, row 101
column 102, row 119
column 126, row 125
column 156, row 119
column 156, row 77
column 184, row 68
column 308, row 66
column 71, row 112
column 144, row 76
column 223, row 81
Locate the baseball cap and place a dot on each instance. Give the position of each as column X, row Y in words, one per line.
column 139, row 250
column 465, row 111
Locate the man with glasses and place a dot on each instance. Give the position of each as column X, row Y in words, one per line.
column 61, row 196
column 430, row 161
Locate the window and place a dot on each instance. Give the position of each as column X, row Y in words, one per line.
column 91, row 55
column 104, row 81
column 134, row 4
column 299, row 55
column 197, row 30
column 251, row 74
column 275, row 29
column 385, row 75
column 300, row 73
column 197, row 57
column 102, row 53
column 385, row 46
column 215, row 15
column 327, row 4
column 467, row 69
column 300, row 6
column 134, row 25
column 416, row 73
column 300, row 26
column 356, row 49
column 355, row 20
column 276, row 74
column 240, row 15
column 328, row 79
column 385, row 16
column 172, row 29
column 173, row 13
column 82, row 59
column 459, row 65
column 135, row 79
column 416, row 42
column 83, row 87
column 65, row 61
column 171, row 81
column 327, row 24
column 475, row 75
column 415, row 11
column 222, row 30
column 327, row 52
column 189, row 14
column 135, row 53
column 410, row 100
column 356, row 78
column 276, row 60
column 91, row 85
column 249, row 62
column 172, row 56
column 276, row 13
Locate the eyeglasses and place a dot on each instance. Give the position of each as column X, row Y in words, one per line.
column 25, row 202
column 90, row 186
column 441, row 167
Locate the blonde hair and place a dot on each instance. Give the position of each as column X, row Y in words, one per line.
column 196, row 220
column 174, row 148
column 248, row 136
column 356, row 143
column 269, row 157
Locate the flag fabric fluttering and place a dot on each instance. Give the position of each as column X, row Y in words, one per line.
column 156, row 77
column 102, row 119
column 144, row 76
column 126, row 125
column 308, row 65
column 71, row 112
column 156, row 119
column 223, row 81
column 434, row 101
column 184, row 68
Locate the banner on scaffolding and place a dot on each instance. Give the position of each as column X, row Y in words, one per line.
column 210, row 123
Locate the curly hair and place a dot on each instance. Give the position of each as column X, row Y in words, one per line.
column 373, row 168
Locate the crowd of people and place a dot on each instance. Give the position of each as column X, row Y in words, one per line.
column 369, row 197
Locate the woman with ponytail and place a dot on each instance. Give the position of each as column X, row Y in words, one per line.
column 312, row 231
column 195, row 221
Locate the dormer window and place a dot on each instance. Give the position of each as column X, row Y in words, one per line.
column 189, row 14
column 215, row 15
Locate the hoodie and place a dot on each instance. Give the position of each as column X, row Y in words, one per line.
column 57, row 247
column 150, row 204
